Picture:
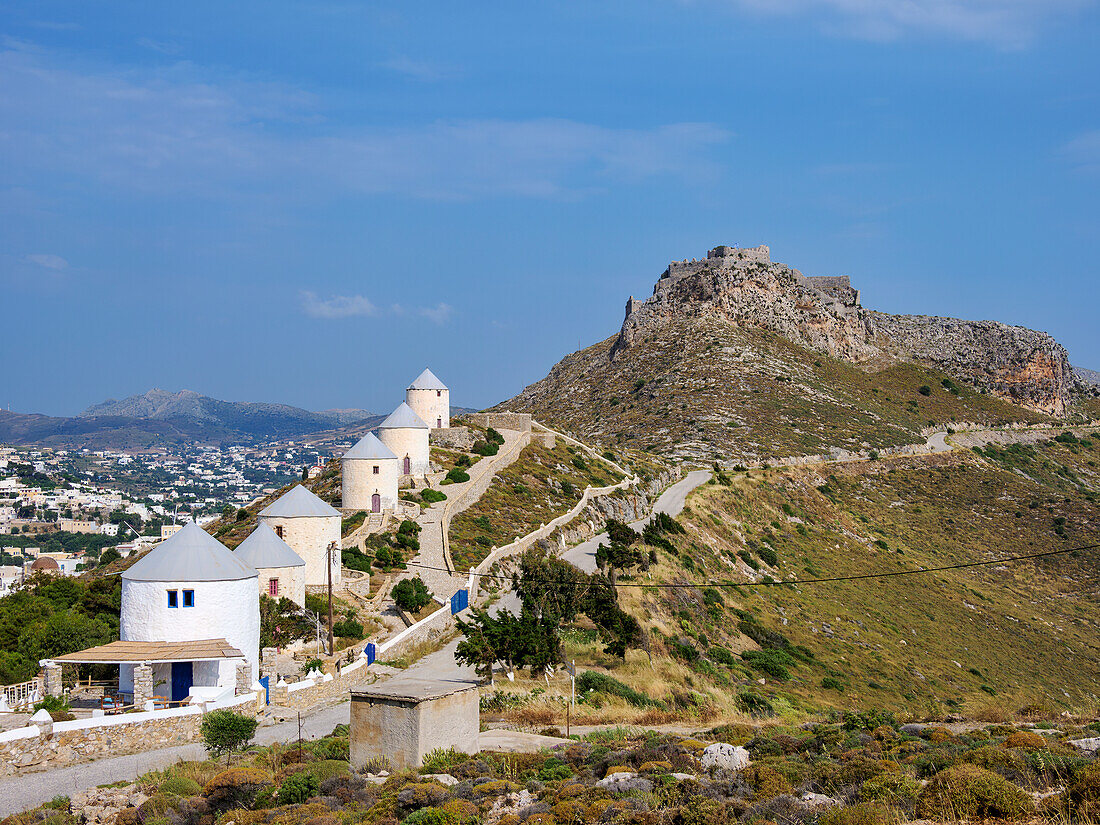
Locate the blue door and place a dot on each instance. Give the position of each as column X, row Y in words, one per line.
column 182, row 680
column 266, row 682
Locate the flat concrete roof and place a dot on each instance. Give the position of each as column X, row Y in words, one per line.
column 408, row 689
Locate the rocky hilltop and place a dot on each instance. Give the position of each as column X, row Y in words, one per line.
column 745, row 287
column 740, row 359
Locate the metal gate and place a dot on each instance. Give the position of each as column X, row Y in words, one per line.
column 460, row 601
column 372, row 651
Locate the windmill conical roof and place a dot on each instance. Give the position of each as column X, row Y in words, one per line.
column 370, row 447
column 427, row 381
column 264, row 548
column 189, row 555
column 403, row 418
column 299, row 502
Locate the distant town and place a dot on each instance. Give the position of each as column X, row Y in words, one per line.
column 67, row 511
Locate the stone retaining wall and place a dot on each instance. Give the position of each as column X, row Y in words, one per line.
column 456, row 438
column 45, row 747
column 323, row 692
column 502, row 421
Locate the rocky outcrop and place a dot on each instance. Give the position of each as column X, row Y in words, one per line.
column 1025, row 366
column 627, row 506
column 745, row 287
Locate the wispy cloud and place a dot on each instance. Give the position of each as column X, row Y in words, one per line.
column 176, row 129
column 422, row 70
column 351, row 306
column 1084, row 151
column 48, row 261
column 437, row 314
column 162, row 46
column 1004, row 23
column 338, row 306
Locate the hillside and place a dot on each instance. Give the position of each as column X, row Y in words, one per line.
column 984, row 641
column 739, row 358
column 158, row 419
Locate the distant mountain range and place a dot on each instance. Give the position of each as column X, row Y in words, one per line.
column 1088, row 376
column 159, row 418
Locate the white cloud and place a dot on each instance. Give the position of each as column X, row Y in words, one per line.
column 351, row 306
column 1084, row 151
column 338, row 306
column 1005, row 23
column 437, row 314
column 55, row 262
column 178, row 130
column 422, row 70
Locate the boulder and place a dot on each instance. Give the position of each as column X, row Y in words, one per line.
column 725, row 757
column 622, row 781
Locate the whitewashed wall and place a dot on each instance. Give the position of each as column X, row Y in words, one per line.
column 360, row 482
column 309, row 537
column 430, row 407
column 412, row 442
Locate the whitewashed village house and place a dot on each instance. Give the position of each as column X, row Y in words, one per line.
column 281, row 571
column 371, row 472
column 190, row 620
column 310, row 526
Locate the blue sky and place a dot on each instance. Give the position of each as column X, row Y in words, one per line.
column 309, row 202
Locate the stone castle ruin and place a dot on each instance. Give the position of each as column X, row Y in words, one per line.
column 742, row 285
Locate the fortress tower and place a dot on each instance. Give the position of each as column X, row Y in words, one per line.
column 430, row 399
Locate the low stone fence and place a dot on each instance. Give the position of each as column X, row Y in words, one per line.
column 48, row 746
column 522, row 543
column 476, row 487
column 309, row 693
column 502, row 420
column 455, row 438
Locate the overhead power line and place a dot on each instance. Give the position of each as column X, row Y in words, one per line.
column 796, row 582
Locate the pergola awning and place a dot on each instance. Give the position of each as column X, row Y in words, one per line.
column 203, row 650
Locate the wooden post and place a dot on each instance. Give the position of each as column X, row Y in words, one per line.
column 328, row 566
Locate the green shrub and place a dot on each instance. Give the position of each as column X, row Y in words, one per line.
column 441, row 760
column 349, row 628
column 721, row 656
column 898, row 789
column 411, row 594
column 832, row 683
column 432, row 496
column 180, row 786
column 771, row 661
column 590, row 680
column 457, row 476
column 224, row 731
column 312, row 664
column 297, row 788
column 236, row 787
column 768, row 556
column 427, row 816
column 925, row 389
column 969, row 792
column 484, row 448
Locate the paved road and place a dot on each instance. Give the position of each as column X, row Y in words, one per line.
column 671, row 501
column 20, row 793
column 937, row 442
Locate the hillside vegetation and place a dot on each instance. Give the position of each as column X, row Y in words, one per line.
column 984, row 641
column 702, row 387
column 541, row 484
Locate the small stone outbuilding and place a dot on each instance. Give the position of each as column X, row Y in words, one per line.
column 404, row 719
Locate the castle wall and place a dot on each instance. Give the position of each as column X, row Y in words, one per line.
column 433, row 406
column 360, row 482
column 309, row 537
column 411, row 442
